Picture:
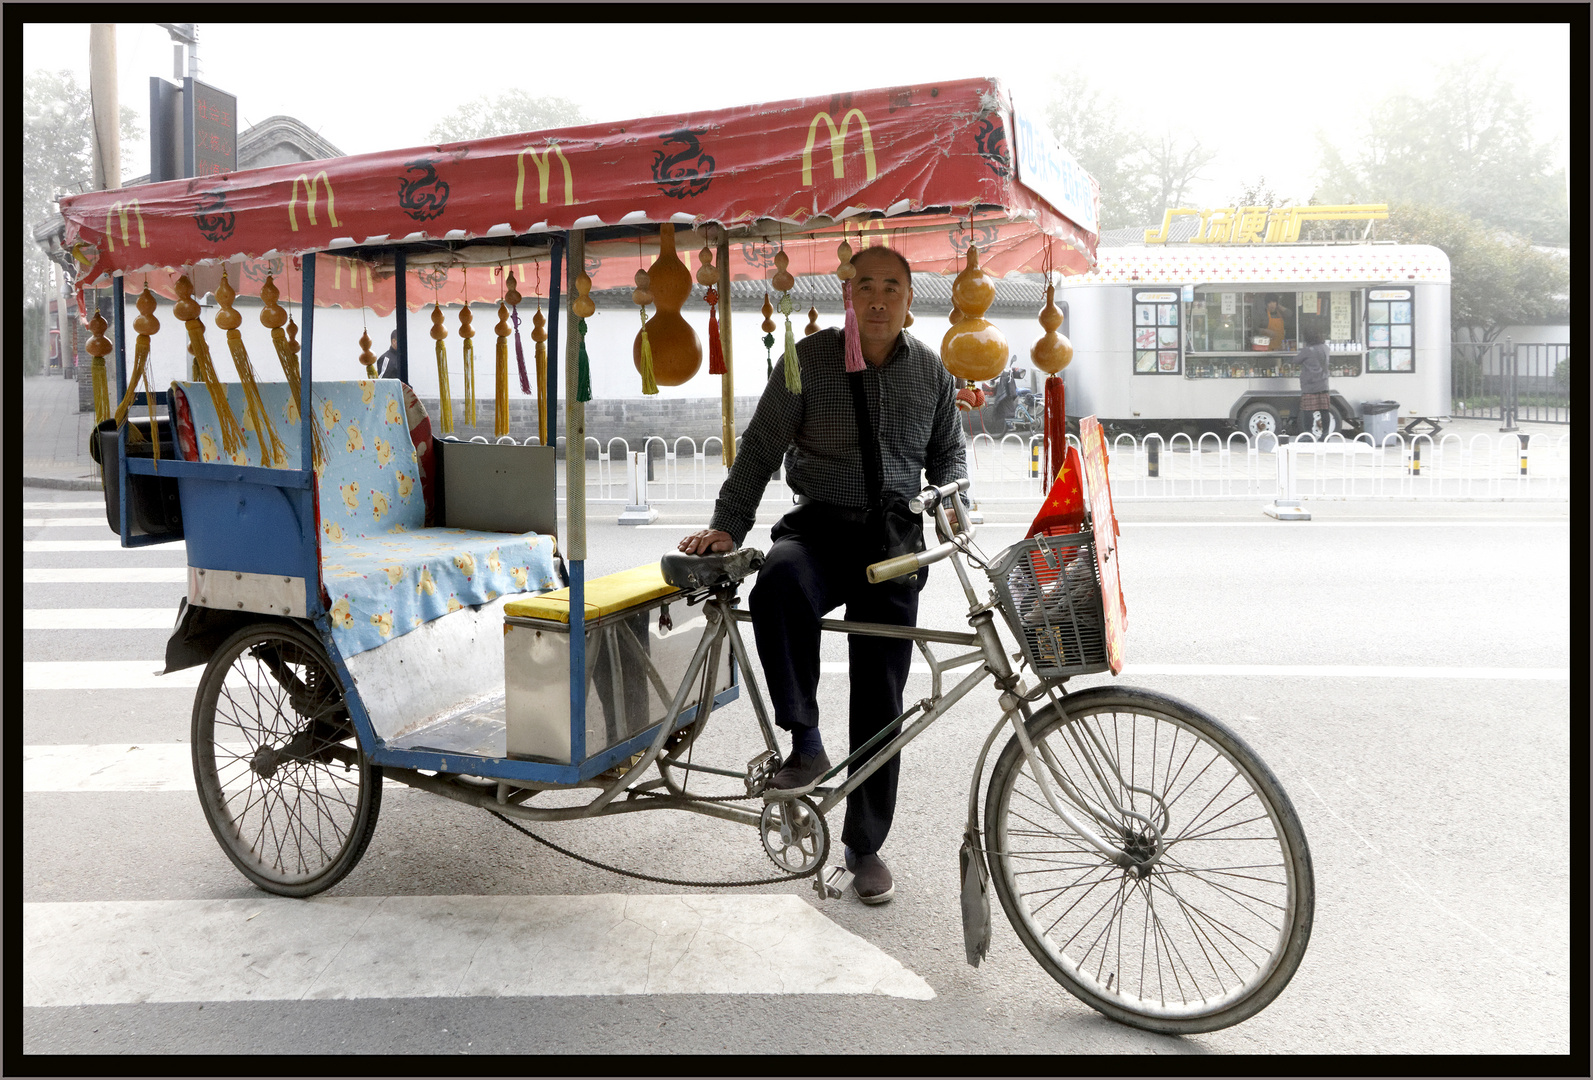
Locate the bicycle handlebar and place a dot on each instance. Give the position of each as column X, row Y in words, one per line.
column 928, row 500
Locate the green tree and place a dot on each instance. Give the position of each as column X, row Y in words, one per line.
column 1468, row 145
column 57, row 157
column 1140, row 174
column 1497, row 279
column 506, row 114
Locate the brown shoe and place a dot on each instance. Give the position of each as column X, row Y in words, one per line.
column 871, row 877
column 800, row 771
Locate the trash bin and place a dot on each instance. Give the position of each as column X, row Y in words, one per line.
column 1379, row 418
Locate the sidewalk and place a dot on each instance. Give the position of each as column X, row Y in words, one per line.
column 55, row 436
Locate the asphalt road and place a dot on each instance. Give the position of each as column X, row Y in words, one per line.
column 1436, row 804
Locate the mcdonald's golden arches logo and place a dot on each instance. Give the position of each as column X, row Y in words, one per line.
column 310, row 187
column 120, row 209
column 838, row 145
column 544, row 166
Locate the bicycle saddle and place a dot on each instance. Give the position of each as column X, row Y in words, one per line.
column 691, row 572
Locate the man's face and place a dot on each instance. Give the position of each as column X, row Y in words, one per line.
column 881, row 295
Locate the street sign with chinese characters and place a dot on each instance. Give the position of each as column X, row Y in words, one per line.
column 213, row 124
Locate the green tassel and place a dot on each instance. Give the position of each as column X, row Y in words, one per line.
column 768, row 353
column 793, row 368
column 583, row 383
column 649, row 381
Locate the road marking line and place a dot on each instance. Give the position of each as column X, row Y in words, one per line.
column 371, row 947
column 102, row 575
column 98, row 504
column 61, row 522
column 1297, row 671
column 106, row 675
column 99, row 618
column 153, row 767
column 171, row 548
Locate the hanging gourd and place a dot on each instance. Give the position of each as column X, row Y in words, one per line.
column 273, row 316
column 813, row 322
column 539, row 336
column 973, row 348
column 581, row 308
column 846, row 272
column 512, row 298
column 145, row 325
column 187, row 309
column 783, row 283
column 500, row 395
column 1054, row 351
column 438, row 333
column 767, row 327
column 466, row 332
column 708, row 277
column 367, row 357
column 677, row 353
column 99, row 346
column 272, row 452
column 642, row 296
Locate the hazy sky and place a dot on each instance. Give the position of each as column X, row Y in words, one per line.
column 1257, row 94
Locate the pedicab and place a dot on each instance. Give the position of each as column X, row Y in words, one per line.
column 372, row 601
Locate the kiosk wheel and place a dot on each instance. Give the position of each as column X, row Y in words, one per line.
column 287, row 791
column 1204, row 914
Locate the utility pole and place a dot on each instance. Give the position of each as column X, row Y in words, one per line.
column 105, row 108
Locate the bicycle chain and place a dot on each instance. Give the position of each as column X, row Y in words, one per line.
column 824, row 858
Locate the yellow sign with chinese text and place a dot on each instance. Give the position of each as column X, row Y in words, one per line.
column 1261, row 224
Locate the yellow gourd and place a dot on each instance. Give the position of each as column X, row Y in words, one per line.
column 973, row 348
column 1054, row 351
column 676, row 350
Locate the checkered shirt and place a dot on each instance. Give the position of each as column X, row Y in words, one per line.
column 910, row 402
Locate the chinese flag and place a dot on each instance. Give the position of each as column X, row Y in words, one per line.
column 1063, row 509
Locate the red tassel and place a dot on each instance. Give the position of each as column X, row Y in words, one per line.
column 716, row 350
column 1056, row 432
column 854, row 343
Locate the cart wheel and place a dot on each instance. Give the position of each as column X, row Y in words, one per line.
column 1260, row 419
column 1193, row 934
column 287, row 791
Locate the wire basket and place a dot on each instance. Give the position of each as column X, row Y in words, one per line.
column 1050, row 592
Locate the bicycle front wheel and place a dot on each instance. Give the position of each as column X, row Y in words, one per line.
column 1203, row 915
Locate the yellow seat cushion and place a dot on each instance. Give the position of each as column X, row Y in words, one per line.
column 604, row 595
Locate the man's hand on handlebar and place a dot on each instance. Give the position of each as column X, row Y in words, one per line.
column 707, row 542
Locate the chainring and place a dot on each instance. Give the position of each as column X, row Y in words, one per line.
column 794, row 835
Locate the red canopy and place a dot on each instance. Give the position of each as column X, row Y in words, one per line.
column 927, row 169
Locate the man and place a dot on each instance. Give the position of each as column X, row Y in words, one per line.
column 387, row 363
column 816, row 563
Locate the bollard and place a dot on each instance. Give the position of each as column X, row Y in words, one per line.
column 1523, row 439
column 637, row 509
column 1416, row 457
column 1034, row 459
column 1153, row 456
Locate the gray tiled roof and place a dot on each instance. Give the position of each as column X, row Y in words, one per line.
column 824, row 292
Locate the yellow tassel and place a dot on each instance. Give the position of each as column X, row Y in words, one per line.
column 290, row 368
column 264, row 430
column 500, row 426
column 442, row 389
column 140, row 358
column 539, row 335
column 470, row 383
column 102, row 391
column 231, row 430
column 649, row 380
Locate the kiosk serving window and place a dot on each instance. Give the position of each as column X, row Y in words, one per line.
column 1156, row 338
column 1390, row 345
column 1232, row 332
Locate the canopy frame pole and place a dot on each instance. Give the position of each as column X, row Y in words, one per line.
column 575, row 503
column 307, row 495
column 401, row 306
column 727, row 406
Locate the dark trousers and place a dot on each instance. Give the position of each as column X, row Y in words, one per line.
column 814, row 566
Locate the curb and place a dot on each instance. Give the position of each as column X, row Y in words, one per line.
column 62, row 483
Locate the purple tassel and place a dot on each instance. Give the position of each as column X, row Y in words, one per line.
column 519, row 353
column 854, row 343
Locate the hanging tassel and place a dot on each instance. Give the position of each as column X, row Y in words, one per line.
column 768, row 337
column 187, row 309
column 272, row 317
column 854, row 344
column 539, row 335
column 512, row 298
column 500, row 399
column 793, row 368
column 649, row 382
column 438, row 333
column 99, row 346
column 290, row 364
column 467, row 332
column 583, row 383
column 716, row 348
column 228, row 319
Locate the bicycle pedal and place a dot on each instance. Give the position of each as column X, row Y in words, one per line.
column 760, row 770
column 834, row 885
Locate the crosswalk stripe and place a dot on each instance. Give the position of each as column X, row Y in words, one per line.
column 61, row 522
column 99, row 618
column 1295, row 671
column 365, row 947
column 102, row 575
column 29, row 546
column 105, row 675
column 97, row 504
column 107, row 767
